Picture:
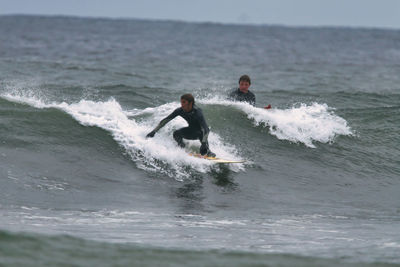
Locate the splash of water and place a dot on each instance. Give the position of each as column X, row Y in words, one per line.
column 129, row 128
column 299, row 124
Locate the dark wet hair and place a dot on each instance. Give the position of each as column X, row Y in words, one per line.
column 245, row 78
column 188, row 97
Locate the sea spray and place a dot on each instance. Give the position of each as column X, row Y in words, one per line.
column 299, row 124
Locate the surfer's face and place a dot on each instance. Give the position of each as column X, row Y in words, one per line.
column 186, row 105
column 244, row 86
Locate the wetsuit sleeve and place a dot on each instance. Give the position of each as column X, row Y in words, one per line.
column 203, row 126
column 167, row 119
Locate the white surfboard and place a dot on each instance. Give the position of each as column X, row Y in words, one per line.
column 216, row 160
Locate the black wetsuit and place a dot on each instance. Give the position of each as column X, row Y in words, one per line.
column 197, row 128
column 237, row 95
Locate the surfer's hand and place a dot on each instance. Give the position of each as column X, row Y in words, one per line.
column 203, row 149
column 150, row 134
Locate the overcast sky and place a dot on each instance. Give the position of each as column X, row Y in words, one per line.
column 365, row 13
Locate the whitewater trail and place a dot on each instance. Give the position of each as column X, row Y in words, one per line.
column 303, row 123
column 159, row 154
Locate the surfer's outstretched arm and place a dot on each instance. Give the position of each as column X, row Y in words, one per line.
column 163, row 122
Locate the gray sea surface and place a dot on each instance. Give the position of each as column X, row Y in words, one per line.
column 321, row 182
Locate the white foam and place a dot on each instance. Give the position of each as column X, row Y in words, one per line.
column 299, row 124
column 160, row 154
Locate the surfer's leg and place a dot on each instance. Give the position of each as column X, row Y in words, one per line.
column 184, row 133
column 178, row 136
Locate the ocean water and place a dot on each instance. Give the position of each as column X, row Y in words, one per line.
column 81, row 185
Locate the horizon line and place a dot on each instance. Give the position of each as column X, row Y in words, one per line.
column 204, row 22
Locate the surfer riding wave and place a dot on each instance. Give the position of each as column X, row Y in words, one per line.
column 197, row 128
